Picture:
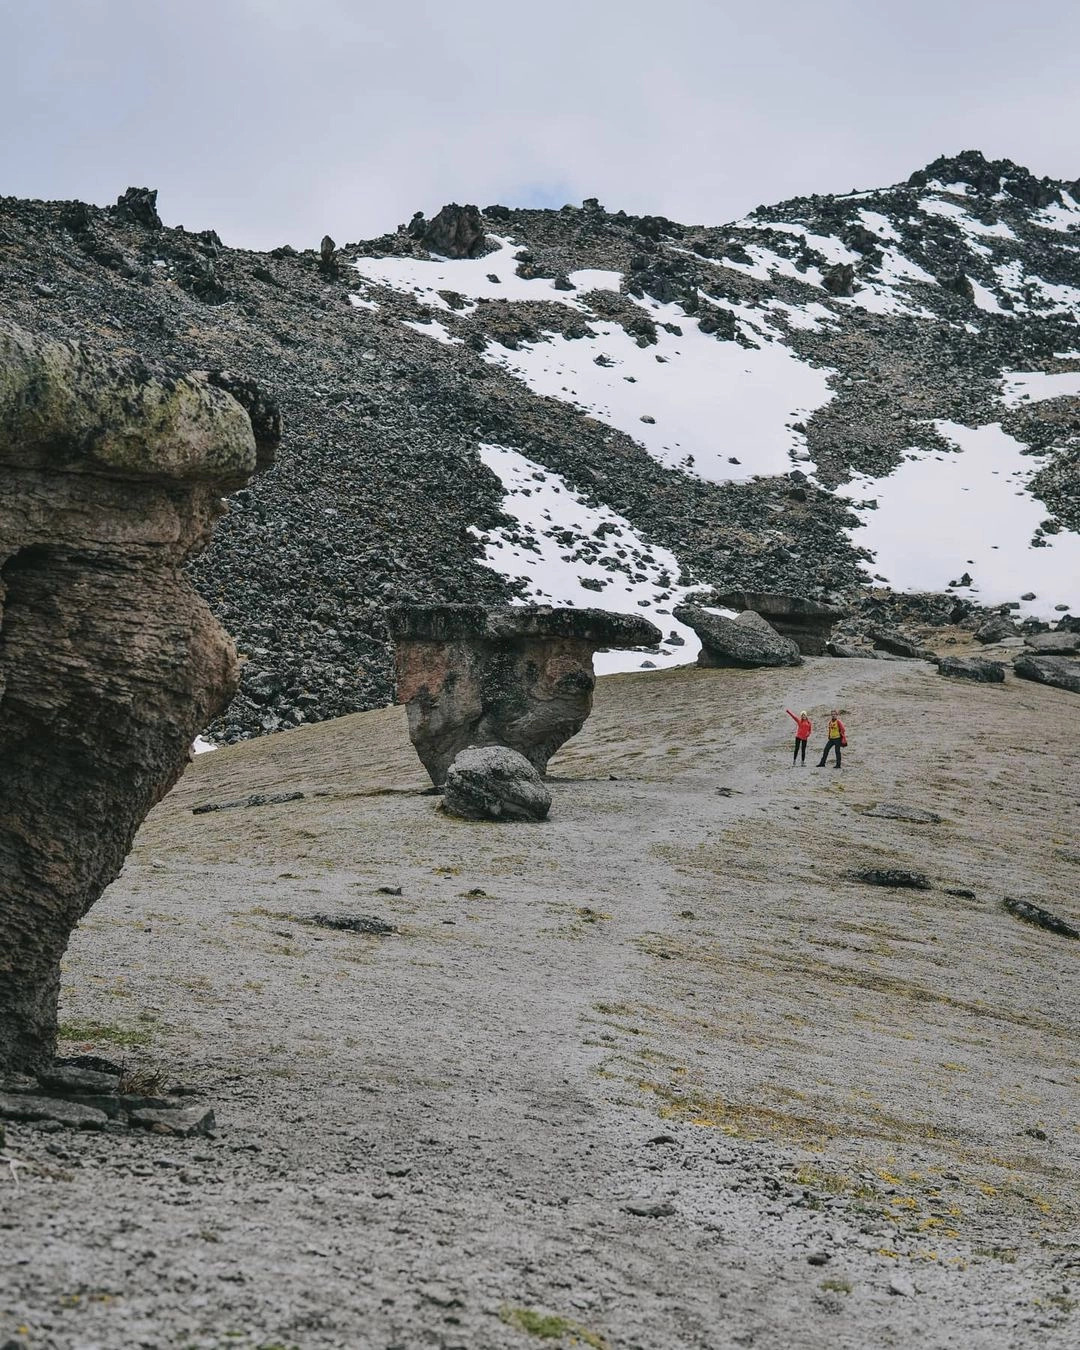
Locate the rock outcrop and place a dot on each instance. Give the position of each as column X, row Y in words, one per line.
column 1059, row 671
column 747, row 641
column 808, row 623
column 1058, row 643
column 109, row 662
column 996, row 629
column 490, row 782
column 520, row 676
column 455, row 232
column 974, row 668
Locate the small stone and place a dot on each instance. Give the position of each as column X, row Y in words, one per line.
column 182, row 1120
column 902, row 1286
column 69, row 1079
column 654, row 1211
column 819, row 1258
column 646, row 418
column 55, row 1109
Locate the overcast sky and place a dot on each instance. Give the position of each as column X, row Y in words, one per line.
column 275, row 120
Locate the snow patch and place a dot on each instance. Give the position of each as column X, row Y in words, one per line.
column 471, row 277
column 435, row 330
column 967, row 222
column 560, row 541
column 1063, row 215
column 880, row 225
column 709, row 401
column 942, row 514
column 1033, row 386
column 201, row 746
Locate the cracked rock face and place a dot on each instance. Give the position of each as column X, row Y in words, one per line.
column 109, row 662
column 521, row 677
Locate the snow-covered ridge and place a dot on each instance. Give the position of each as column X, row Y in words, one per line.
column 730, row 405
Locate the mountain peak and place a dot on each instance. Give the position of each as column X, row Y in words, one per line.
column 989, row 177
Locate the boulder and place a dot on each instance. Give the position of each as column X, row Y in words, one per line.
column 839, row 279
column 490, row 782
column 1057, row 643
column 1059, row 671
column 139, row 205
column 897, row 645
column 456, row 232
column 520, row 676
column 748, row 641
column 972, row 668
column 995, row 629
column 109, row 662
column 808, row 623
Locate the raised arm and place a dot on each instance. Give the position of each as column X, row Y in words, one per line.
column 791, row 714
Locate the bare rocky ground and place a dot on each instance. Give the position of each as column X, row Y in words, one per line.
column 655, row 1073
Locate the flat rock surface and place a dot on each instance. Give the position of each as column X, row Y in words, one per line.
column 662, row 1073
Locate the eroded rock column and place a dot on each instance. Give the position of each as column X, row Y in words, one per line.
column 109, row 662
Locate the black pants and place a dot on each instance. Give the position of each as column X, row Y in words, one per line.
column 830, row 745
column 799, row 742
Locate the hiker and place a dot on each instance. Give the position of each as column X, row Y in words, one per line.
column 803, row 728
column 837, row 738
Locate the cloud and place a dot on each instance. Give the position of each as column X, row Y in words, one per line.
column 284, row 119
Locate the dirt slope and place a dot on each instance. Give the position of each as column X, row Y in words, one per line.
column 665, row 996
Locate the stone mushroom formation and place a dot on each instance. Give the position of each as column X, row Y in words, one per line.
column 109, row 662
column 519, row 677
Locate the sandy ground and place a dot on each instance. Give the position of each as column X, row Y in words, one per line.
column 853, row 1109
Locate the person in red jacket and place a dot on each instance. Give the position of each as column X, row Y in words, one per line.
column 837, row 738
column 803, row 728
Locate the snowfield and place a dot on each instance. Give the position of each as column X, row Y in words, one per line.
column 941, row 515
column 471, row 278
column 560, row 542
column 719, row 410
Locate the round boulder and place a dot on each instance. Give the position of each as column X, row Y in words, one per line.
column 492, row 782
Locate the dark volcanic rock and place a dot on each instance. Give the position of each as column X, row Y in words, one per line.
column 737, row 642
column 897, row 878
column 138, row 205
column 109, row 662
column 521, row 677
column 898, row 645
column 808, row 623
column 1058, row 643
column 972, row 668
column 1041, row 918
column 456, row 232
column 995, row 629
column 491, row 782
column 1059, row 671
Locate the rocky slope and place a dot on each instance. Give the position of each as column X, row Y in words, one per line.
column 663, row 1071
column 609, row 410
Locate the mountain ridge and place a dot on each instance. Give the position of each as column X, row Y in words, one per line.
column 698, row 409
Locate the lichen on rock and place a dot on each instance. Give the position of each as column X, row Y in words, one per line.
column 109, row 661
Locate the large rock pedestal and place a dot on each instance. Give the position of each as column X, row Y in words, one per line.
column 520, row 677
column 109, row 662
column 808, row 623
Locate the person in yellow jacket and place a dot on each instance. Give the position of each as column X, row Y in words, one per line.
column 837, row 739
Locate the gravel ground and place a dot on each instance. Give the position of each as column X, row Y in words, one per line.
column 656, row 1073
